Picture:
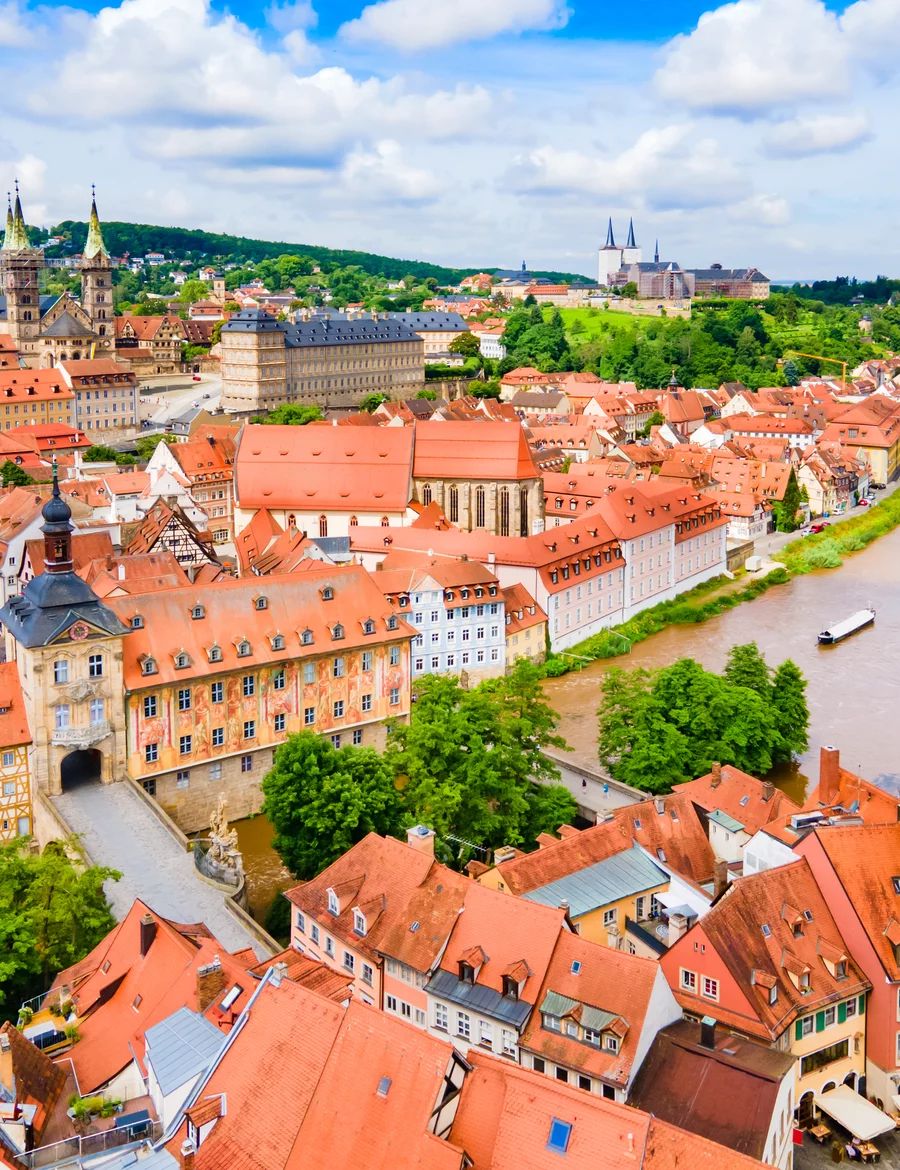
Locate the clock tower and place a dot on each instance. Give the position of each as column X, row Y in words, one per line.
column 20, row 267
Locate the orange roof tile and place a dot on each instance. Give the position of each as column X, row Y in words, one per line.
column 17, row 385
column 522, row 611
column 751, row 801
column 309, row 973
column 13, row 717
column 454, row 450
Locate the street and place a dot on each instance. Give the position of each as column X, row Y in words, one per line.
column 158, row 406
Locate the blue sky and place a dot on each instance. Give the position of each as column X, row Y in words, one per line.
column 470, row 131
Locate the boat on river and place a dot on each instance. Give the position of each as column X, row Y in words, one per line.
column 841, row 630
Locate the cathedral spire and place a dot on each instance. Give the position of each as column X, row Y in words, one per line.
column 610, row 238
column 629, row 243
column 7, row 239
column 94, row 246
column 656, row 253
column 18, row 240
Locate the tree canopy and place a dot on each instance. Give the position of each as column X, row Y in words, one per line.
column 12, row 475
column 292, row 414
column 51, row 915
column 658, row 728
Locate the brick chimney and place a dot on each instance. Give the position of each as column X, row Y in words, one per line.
column 716, row 775
column 768, row 790
column 678, row 925
column 148, row 933
column 210, row 983
column 708, row 1033
column 188, row 1152
column 421, row 838
column 720, row 878
column 829, row 775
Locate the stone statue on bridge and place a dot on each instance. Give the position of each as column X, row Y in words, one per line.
column 223, row 840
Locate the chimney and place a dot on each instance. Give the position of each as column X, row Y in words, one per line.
column 421, row 838
column 708, row 1033
column 188, row 1153
column 678, row 925
column 121, row 570
column 720, row 878
column 148, row 932
column 279, row 970
column 829, row 775
column 210, row 983
column 768, row 790
column 716, row 774
column 660, row 805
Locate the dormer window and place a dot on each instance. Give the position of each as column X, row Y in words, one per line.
column 368, row 626
column 803, row 981
column 466, row 973
column 137, row 622
column 243, row 648
column 327, row 593
column 464, row 593
column 510, row 987
column 392, row 622
column 182, row 660
column 797, row 928
column 214, row 654
column 610, row 1042
column 306, row 638
column 359, row 923
column 148, row 666
column 197, row 612
column 403, row 602
column 337, row 632
column 278, row 642
column 840, row 969
column 773, row 993
column 334, row 906
column 261, row 603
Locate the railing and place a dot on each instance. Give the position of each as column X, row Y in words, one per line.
column 91, row 1145
column 36, row 1003
column 648, row 937
column 80, row 737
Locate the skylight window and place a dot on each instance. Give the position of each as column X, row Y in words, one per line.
column 767, row 930
column 384, row 1087
column 896, row 884
column 558, row 1138
column 744, row 801
column 576, row 966
column 231, row 996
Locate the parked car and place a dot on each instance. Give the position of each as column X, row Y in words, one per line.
column 818, row 527
column 864, row 502
column 197, row 377
column 879, row 487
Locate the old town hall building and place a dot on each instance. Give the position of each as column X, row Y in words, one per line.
column 47, row 330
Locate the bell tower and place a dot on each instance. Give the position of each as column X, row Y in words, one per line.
column 20, row 267
column 96, row 285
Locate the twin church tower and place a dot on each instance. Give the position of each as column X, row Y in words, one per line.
column 50, row 329
column 613, row 258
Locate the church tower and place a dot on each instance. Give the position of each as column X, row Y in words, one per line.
column 96, row 285
column 609, row 259
column 631, row 253
column 20, row 267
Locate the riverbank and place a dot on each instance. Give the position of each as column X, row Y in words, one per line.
column 804, row 554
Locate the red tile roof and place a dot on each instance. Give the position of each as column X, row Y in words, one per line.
column 455, row 450
column 17, row 385
column 751, row 801
column 14, row 728
column 309, row 973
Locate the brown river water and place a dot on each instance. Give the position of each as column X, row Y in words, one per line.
column 853, row 688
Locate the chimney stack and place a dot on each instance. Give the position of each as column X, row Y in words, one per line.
column 768, row 790
column 188, row 1153
column 210, row 983
column 279, row 970
column 421, row 838
column 660, row 805
column 708, row 1033
column 678, row 925
column 716, row 774
column 720, row 878
column 829, row 775
column 148, row 933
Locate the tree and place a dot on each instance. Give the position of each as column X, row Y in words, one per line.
column 147, row 444
column 99, row 453
column 656, row 419
column 791, row 711
column 192, row 290
column 51, row 914
column 216, row 333
column 786, row 510
column 630, row 289
column 488, row 389
column 292, row 414
column 428, row 394
column 371, row 402
column 321, row 800
column 746, row 667
column 465, row 343
column 12, row 475
column 791, row 373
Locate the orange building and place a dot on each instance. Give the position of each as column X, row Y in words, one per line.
column 34, row 396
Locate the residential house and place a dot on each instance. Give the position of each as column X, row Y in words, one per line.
column 16, row 816
column 150, row 344
column 526, row 625
column 769, row 961
column 596, row 1017
column 106, row 397
column 799, row 432
column 833, row 478
column 166, row 528
column 29, row 397
column 207, row 463
column 536, row 405
column 33, row 1095
column 856, row 868
column 870, row 430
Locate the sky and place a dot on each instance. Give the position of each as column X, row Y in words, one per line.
column 470, row 132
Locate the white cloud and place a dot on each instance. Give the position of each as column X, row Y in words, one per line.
column 762, row 211
column 872, row 31
column 13, row 29
column 382, row 173
column 756, row 55
column 31, row 173
column 817, row 134
column 413, row 25
column 667, row 167
column 291, row 15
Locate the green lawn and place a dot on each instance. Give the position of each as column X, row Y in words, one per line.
column 596, row 322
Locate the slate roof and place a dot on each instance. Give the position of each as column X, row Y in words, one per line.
column 432, row 322
column 727, row 274
column 478, row 998
column 321, row 331
column 65, row 325
column 616, row 877
column 51, row 604
column 180, row 1047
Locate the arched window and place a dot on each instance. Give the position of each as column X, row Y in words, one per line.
column 426, row 494
column 453, row 503
column 523, row 512
column 504, row 511
column 353, row 522
column 337, row 632
column 479, row 507
column 323, row 526
column 385, row 523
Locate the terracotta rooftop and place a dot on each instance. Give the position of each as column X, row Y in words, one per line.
column 30, row 1078
column 309, row 973
column 453, row 450
column 14, row 728
column 752, row 802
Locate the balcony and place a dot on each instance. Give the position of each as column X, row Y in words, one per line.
column 81, row 737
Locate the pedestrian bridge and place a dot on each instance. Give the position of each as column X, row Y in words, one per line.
column 119, row 829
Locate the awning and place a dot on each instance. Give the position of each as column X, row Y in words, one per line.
column 863, row 1119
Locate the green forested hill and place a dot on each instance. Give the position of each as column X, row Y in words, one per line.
column 137, row 239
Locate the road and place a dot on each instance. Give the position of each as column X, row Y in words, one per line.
column 773, row 541
column 159, row 406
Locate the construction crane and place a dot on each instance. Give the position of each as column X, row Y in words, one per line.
column 822, row 358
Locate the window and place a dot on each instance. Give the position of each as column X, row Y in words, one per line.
column 306, row 638
column 301, row 923
column 338, row 668
column 609, row 918
column 395, row 696
column 243, row 648
column 349, row 960
column 97, row 712
column 485, row 1034
column 95, row 665
column 198, row 612
column 214, row 654
column 309, row 716
column 560, row 1131
column 215, row 770
column 280, row 720
column 329, row 946
column 359, row 922
column 366, row 703
column 246, row 763
column 278, row 680
column 592, row 1036
column 248, row 684
column 61, row 716
column 183, row 778
column 611, row 1043
column 463, row 1025
column 367, row 660
column 261, row 603
column 182, row 660
column 829, row 1055
column 309, row 672
column 137, row 622
column 368, row 626
column 337, row 632
column 850, row 1008
column 217, row 692
column 314, row 933
column 710, row 987
column 390, row 1002
column 805, row 1026
column 9, row 758
column 440, row 1016
column 689, row 980
column 339, row 709
column 184, row 699
column 150, row 706
column 151, row 753
column 394, row 656
column 367, row 974
column 249, row 729
column 218, row 736
column 537, row 1064
column 185, row 744
column 562, row 1074
column 830, row 1016
column 357, row 736
column 60, row 671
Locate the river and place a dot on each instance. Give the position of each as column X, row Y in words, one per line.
column 853, row 692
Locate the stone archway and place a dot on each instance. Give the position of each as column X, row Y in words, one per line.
column 80, row 767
